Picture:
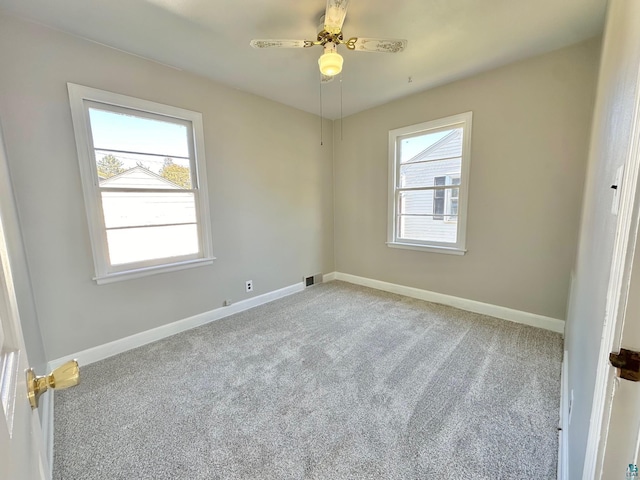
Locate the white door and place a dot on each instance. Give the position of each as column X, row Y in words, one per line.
column 614, row 434
column 22, row 453
column 621, row 439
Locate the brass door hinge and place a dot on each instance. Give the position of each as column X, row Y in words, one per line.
column 628, row 362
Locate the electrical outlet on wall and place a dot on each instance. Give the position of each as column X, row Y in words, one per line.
column 248, row 286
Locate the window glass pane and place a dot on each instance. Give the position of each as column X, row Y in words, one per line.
column 117, row 170
column 438, row 204
column 139, row 244
column 417, row 202
column 422, row 202
column 132, row 133
column 414, row 175
column 427, row 229
column 131, row 209
column 438, row 198
column 454, row 207
column 431, row 146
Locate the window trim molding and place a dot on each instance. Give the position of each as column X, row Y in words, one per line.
column 459, row 248
column 104, row 272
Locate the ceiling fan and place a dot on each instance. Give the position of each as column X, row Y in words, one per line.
column 330, row 36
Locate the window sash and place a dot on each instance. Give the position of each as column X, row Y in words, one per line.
column 127, row 111
column 150, row 116
column 117, row 268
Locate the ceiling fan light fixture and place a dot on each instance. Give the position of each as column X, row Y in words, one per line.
column 330, row 62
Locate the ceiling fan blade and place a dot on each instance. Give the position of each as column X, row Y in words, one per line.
column 279, row 43
column 334, row 15
column 386, row 45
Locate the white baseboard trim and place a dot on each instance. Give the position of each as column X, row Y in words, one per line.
column 563, row 437
column 110, row 349
column 497, row 311
column 329, row 277
column 46, row 420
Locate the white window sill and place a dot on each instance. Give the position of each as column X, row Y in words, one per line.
column 427, row 248
column 145, row 272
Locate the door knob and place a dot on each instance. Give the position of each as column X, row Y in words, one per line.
column 65, row 376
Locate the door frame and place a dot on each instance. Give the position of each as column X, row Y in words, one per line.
column 617, row 294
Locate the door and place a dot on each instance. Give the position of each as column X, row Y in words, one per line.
column 604, row 239
column 623, row 433
column 22, row 453
column 614, row 433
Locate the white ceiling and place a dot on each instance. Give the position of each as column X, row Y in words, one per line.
column 447, row 40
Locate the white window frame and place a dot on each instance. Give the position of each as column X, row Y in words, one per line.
column 463, row 120
column 80, row 98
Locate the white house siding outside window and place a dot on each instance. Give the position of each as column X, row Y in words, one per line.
column 428, row 185
column 142, row 166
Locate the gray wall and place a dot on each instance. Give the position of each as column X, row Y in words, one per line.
column 531, row 124
column 270, row 189
column 272, row 186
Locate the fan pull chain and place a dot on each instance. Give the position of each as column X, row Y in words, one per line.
column 340, row 107
column 320, row 83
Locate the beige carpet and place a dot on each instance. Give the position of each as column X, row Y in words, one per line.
column 336, row 382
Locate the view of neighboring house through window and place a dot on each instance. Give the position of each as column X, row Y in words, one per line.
column 445, row 201
column 143, row 180
column 429, row 167
column 438, row 198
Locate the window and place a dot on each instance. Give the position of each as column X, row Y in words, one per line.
column 143, row 174
column 428, row 184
